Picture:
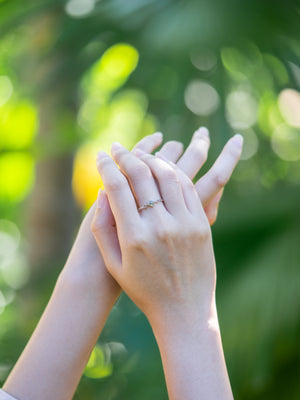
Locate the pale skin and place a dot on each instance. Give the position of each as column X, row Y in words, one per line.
column 163, row 259
column 53, row 361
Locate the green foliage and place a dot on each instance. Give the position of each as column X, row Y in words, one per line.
column 86, row 73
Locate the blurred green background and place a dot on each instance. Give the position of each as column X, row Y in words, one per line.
column 77, row 75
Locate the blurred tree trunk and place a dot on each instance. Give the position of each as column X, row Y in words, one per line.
column 52, row 211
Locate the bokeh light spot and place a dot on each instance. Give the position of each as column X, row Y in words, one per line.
column 9, row 238
column 79, row 8
column 99, row 364
column 6, row 89
column 114, row 67
column 278, row 69
column 286, row 142
column 16, row 176
column 16, row 272
column 2, row 302
column 241, row 109
column 18, row 125
column 295, row 72
column 250, row 145
column 201, row 98
column 289, row 106
column 86, row 179
column 204, row 60
column 235, row 62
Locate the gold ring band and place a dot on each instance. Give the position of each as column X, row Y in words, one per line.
column 150, row 204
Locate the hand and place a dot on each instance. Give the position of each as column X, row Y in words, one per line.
column 209, row 186
column 85, row 266
column 162, row 257
column 85, row 269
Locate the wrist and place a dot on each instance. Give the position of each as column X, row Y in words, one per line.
column 185, row 320
column 192, row 356
column 91, row 280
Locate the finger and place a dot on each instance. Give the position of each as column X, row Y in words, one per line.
column 138, row 174
column 196, row 153
column 171, row 150
column 189, row 192
column 149, row 143
column 218, row 175
column 105, row 233
column 117, row 188
column 168, row 183
column 211, row 210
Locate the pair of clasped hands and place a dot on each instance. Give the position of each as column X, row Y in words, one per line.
column 152, row 227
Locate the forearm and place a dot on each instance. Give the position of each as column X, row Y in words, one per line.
column 193, row 360
column 53, row 361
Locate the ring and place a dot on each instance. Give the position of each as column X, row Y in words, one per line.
column 151, row 203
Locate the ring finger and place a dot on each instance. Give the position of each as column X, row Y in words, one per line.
column 139, row 176
column 168, row 183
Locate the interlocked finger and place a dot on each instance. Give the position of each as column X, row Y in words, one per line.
column 149, row 143
column 139, row 176
column 120, row 197
column 189, row 192
column 196, row 154
column 168, row 183
column 171, row 150
column 218, row 175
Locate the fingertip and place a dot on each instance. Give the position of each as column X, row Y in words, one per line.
column 102, row 212
column 212, row 218
column 201, row 133
column 115, row 147
column 238, row 140
column 158, row 135
column 101, row 155
column 101, row 199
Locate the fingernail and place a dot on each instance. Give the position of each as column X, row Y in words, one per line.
column 161, row 156
column 115, row 147
column 158, row 134
column 238, row 140
column 101, row 199
column 101, row 155
column 138, row 152
column 201, row 132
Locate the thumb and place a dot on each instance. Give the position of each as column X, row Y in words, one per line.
column 211, row 209
column 104, row 230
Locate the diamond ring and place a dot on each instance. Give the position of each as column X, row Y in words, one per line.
column 151, row 203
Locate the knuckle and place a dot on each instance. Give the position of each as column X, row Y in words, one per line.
column 136, row 240
column 96, row 226
column 199, row 154
column 167, row 231
column 115, row 184
column 162, row 234
column 220, row 178
column 169, row 174
column 147, row 158
column 187, row 183
column 139, row 171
